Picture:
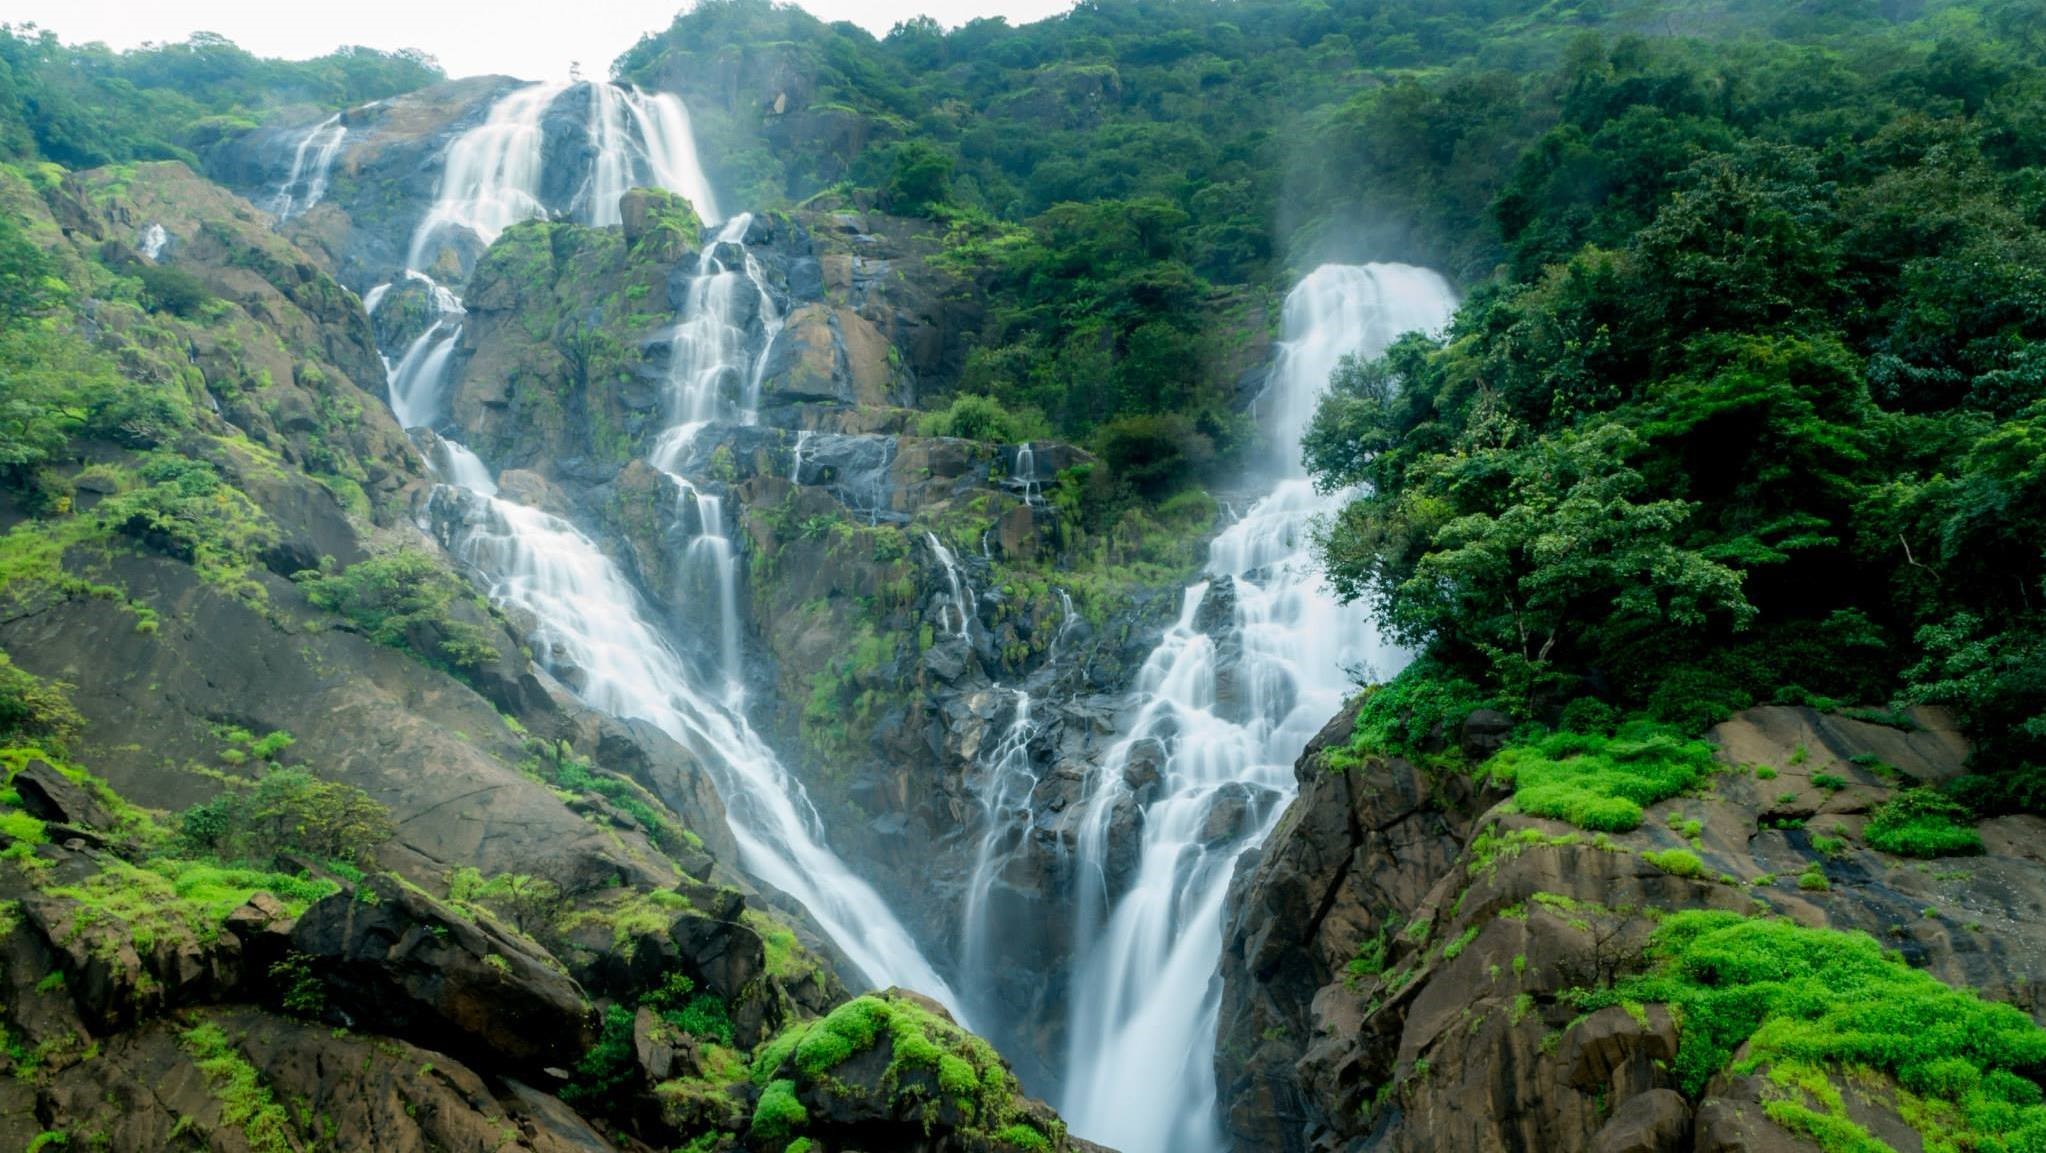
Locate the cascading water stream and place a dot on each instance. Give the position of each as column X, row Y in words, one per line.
column 1230, row 701
column 960, row 602
column 1007, row 778
column 310, row 164
column 641, row 139
column 491, row 177
column 417, row 381
column 592, row 631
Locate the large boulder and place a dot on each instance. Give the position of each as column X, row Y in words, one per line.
column 396, row 957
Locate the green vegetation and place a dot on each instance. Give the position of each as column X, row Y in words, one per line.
column 1922, row 823
column 84, row 105
column 406, row 599
column 1602, row 783
column 1705, row 245
column 1676, row 862
column 929, row 1058
column 603, row 1080
column 1814, row 1007
column 289, row 811
column 246, row 1103
column 33, row 710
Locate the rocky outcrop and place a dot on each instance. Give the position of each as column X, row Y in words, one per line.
column 1400, row 960
column 397, row 957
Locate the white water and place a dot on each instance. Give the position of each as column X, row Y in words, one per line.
column 493, row 174
column 417, row 383
column 711, row 376
column 491, row 177
column 594, row 635
column 960, row 604
column 310, row 164
column 1140, row 1070
column 642, row 139
column 154, row 239
column 1003, row 789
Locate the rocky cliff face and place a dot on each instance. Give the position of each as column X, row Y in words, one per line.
column 552, row 873
column 1403, row 959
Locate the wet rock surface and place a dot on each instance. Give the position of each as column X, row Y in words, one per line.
column 1345, row 1020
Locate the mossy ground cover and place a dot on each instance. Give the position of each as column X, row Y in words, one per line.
column 1922, row 823
column 1814, row 1006
column 1598, row 782
column 924, row 1048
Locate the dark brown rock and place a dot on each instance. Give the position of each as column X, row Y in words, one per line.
column 1658, row 1121
column 49, row 795
column 393, row 956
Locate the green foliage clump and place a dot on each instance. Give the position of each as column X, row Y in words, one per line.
column 1676, row 862
column 289, row 811
column 778, row 1114
column 1545, row 498
column 405, row 599
column 1425, row 705
column 608, row 1071
column 33, row 710
column 86, row 105
column 972, row 417
column 1602, row 783
column 1922, row 822
column 246, row 1103
column 1813, row 1005
column 928, row 1056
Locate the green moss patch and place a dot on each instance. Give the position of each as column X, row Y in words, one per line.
column 1598, row 782
column 1812, row 1005
column 930, row 1059
column 1922, row 823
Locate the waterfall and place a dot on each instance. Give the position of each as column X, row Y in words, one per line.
column 418, row 382
column 641, row 139
column 960, row 603
column 711, row 376
column 153, row 241
column 1024, row 476
column 310, row 164
column 594, row 635
column 490, row 179
column 796, row 457
column 1231, row 694
column 493, row 174
column 1003, row 788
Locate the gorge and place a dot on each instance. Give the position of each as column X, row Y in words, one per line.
column 1322, row 580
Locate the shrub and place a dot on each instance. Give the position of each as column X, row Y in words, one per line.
column 405, row 599
column 1922, row 823
column 1811, row 1004
column 172, row 290
column 289, row 810
column 1830, row 782
column 974, row 417
column 1676, row 862
column 1602, row 783
column 1422, row 705
column 33, row 709
column 778, row 1112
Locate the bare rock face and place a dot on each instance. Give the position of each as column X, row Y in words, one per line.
column 1398, row 961
column 392, row 955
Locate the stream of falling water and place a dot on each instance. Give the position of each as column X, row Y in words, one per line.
column 593, row 632
column 310, row 163
column 1141, row 1041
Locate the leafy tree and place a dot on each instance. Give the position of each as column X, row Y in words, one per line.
column 290, row 811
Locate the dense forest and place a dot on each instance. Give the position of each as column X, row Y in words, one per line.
column 1710, row 532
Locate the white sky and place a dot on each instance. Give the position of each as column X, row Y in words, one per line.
column 530, row 39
